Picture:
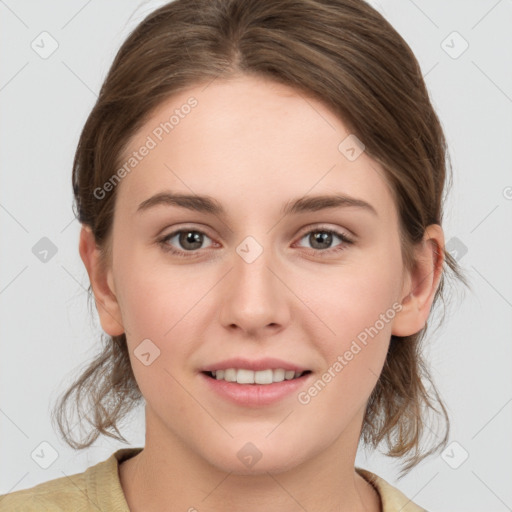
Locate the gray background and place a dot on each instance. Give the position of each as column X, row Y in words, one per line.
column 47, row 333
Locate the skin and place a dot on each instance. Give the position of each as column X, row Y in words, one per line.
column 254, row 145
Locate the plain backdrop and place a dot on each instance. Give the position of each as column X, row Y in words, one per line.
column 465, row 50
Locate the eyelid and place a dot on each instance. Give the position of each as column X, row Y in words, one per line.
column 205, row 230
column 322, row 226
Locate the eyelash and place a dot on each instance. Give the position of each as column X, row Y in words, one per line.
column 318, row 252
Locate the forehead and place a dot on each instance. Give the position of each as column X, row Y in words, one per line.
column 248, row 140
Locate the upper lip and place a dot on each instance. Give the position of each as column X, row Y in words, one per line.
column 255, row 364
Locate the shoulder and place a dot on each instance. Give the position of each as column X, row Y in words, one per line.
column 96, row 488
column 55, row 495
column 393, row 500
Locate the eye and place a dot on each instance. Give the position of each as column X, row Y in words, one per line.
column 322, row 238
column 190, row 239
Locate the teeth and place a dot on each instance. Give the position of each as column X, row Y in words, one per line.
column 243, row 376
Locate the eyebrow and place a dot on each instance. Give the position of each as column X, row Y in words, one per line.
column 207, row 204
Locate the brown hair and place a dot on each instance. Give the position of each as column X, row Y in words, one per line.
column 341, row 52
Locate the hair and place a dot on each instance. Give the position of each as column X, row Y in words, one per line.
column 341, row 52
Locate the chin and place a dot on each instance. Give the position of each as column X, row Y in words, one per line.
column 253, row 458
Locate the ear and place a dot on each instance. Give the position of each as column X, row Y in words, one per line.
column 420, row 284
column 102, row 284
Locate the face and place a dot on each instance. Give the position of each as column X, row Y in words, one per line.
column 319, row 289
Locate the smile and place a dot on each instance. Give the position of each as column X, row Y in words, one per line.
column 244, row 376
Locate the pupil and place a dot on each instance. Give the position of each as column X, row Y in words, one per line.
column 192, row 237
column 322, row 237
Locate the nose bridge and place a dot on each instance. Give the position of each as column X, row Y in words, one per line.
column 254, row 258
column 254, row 297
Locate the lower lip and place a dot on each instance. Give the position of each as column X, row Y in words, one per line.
column 254, row 395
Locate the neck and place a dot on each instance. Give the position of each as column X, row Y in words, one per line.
column 168, row 475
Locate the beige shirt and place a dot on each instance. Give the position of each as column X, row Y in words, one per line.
column 99, row 489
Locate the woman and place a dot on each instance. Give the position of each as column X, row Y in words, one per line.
column 260, row 186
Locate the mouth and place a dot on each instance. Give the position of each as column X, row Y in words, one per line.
column 262, row 386
column 251, row 377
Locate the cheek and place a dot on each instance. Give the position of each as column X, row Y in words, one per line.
column 352, row 358
column 354, row 297
column 356, row 313
column 154, row 297
column 163, row 305
column 158, row 347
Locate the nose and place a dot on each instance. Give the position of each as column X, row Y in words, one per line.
column 255, row 298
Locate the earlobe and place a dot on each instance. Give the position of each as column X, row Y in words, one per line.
column 421, row 283
column 102, row 284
